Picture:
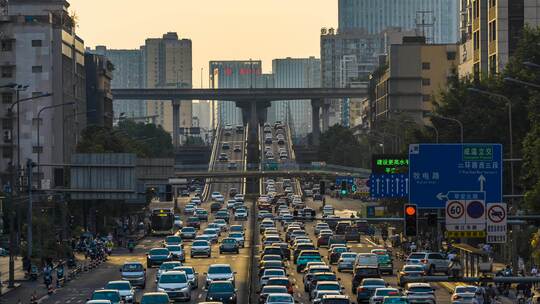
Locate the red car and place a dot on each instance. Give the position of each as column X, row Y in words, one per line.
column 323, row 240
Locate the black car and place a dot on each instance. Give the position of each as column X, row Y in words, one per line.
column 215, row 207
column 194, row 222
column 363, row 272
column 156, row 256
column 225, row 146
column 221, row 291
column 222, row 214
column 229, row 245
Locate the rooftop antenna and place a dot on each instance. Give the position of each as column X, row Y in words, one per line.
column 425, row 21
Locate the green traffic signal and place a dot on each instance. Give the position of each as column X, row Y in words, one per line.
column 343, row 192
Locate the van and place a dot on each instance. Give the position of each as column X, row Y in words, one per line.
column 366, row 259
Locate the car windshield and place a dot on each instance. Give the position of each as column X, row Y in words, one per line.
column 187, row 270
column 132, row 268
column 229, row 241
column 395, row 301
column 221, row 287
column 173, row 278
column 311, row 254
column 420, row 289
column 159, row 251
column 200, row 244
column 188, row 229
column 235, row 235
column 335, row 301
column 463, row 289
column 274, row 289
column 279, row 299
column 274, row 272
column 219, row 269
column 169, row 265
column 155, row 299
column 173, row 239
column 348, row 255
column 118, row 286
column 417, row 256
column 372, row 282
column 174, row 248
column 281, row 282
column 326, row 277
column 413, row 268
column 106, row 295
column 386, row 292
column 328, row 287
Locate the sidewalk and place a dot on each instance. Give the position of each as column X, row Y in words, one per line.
column 450, row 286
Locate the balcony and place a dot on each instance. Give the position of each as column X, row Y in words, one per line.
column 476, row 24
column 476, row 56
column 492, row 13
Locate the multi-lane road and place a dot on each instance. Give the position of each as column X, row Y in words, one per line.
column 244, row 263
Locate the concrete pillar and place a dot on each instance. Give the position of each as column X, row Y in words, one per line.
column 176, row 123
column 315, row 121
column 325, row 117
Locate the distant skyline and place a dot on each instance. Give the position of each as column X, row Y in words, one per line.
column 219, row 30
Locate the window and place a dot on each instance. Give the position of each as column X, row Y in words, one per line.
column 37, row 69
column 493, row 30
column 7, row 72
column 426, row 98
column 36, row 149
column 36, row 43
column 426, row 66
column 492, row 3
column 476, row 40
column 6, row 45
column 426, row 81
column 6, row 123
column 7, row 97
column 7, row 152
column 451, row 55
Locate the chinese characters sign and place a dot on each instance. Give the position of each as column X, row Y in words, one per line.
column 437, row 170
column 390, row 163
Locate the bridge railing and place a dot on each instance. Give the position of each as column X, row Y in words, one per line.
column 275, row 166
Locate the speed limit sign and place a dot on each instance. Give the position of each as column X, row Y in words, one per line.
column 455, row 213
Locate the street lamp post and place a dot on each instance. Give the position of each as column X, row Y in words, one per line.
column 511, row 142
column 431, row 114
column 38, row 139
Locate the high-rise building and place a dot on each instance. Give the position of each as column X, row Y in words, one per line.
column 490, row 31
column 41, row 52
column 415, row 73
column 168, row 64
column 99, row 101
column 295, row 73
column 437, row 20
column 128, row 73
column 234, row 74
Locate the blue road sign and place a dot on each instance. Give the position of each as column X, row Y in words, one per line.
column 348, row 179
column 438, row 171
column 388, row 185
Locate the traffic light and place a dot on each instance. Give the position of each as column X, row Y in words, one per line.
column 343, row 188
column 322, row 186
column 411, row 220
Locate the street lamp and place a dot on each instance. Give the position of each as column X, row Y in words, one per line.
column 38, row 124
column 521, row 82
column 511, row 140
column 431, row 114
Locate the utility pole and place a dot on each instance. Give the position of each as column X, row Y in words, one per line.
column 29, row 171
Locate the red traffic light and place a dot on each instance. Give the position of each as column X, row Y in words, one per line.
column 410, row 210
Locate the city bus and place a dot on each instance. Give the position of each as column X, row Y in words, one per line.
column 162, row 221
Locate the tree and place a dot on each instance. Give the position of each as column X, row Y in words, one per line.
column 339, row 146
column 153, row 140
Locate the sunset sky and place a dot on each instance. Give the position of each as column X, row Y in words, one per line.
column 219, row 29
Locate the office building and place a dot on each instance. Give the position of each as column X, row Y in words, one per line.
column 168, row 64
column 234, row 74
column 490, row 31
column 436, row 19
column 415, row 74
column 295, row 73
column 99, row 101
column 128, row 73
column 42, row 53
column 347, row 60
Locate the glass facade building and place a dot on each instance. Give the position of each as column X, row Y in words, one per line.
column 374, row 16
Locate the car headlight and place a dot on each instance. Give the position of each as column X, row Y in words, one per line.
column 210, row 298
column 185, row 289
column 160, row 289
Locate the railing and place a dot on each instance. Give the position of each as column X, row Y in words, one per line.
column 283, row 166
column 210, row 167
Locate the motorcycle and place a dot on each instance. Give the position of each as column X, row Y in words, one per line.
column 33, row 272
column 131, row 246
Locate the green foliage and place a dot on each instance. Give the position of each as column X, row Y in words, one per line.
column 145, row 140
column 338, row 146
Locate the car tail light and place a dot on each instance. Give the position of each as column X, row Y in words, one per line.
column 424, row 261
column 455, row 297
column 360, row 289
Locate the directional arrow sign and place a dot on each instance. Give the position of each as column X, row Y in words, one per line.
column 437, row 169
column 388, row 185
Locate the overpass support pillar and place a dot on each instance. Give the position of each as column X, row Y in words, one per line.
column 325, row 116
column 315, row 121
column 253, row 151
column 176, row 122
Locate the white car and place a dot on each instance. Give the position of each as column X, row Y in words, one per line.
column 239, row 237
column 176, row 285
column 240, row 214
column 178, row 221
column 466, row 295
column 127, row 293
column 380, row 293
column 420, row 293
column 220, row 198
column 215, row 194
column 269, row 273
column 279, row 298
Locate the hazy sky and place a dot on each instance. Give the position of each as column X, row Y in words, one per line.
column 219, row 29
